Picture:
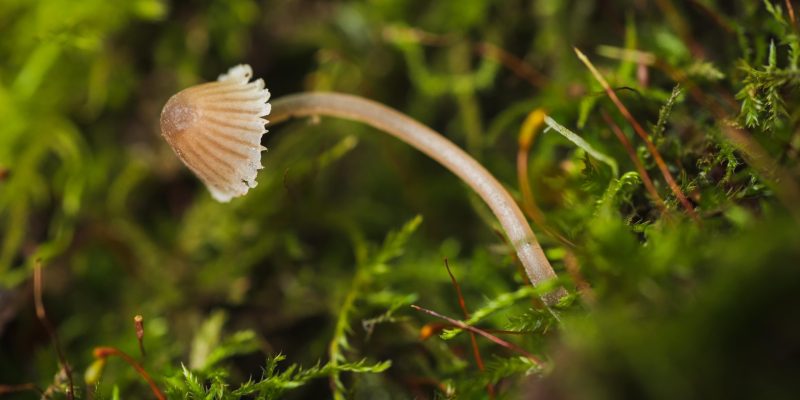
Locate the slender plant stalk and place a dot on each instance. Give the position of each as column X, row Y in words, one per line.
column 51, row 331
column 648, row 183
column 778, row 177
column 642, row 133
column 473, row 340
column 515, row 64
column 440, row 149
column 105, row 352
column 493, row 338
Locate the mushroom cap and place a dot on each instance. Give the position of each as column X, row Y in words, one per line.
column 215, row 128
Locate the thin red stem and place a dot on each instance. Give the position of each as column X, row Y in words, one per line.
column 105, row 352
column 651, row 147
column 463, row 304
column 483, row 333
column 648, row 183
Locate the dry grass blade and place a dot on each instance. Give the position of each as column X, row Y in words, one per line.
column 790, row 8
column 42, row 315
column 483, row 333
column 651, row 147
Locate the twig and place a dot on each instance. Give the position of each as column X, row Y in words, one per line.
column 463, row 304
column 42, row 315
column 790, row 8
column 643, row 134
column 105, row 352
column 483, row 333
column 648, row 183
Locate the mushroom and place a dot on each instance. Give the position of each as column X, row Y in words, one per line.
column 216, row 128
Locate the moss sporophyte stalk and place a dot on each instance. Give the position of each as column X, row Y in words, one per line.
column 216, row 129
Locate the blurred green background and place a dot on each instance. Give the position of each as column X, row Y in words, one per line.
column 348, row 227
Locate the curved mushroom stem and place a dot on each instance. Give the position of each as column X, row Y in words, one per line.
column 440, row 149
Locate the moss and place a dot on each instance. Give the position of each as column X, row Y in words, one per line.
column 677, row 308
